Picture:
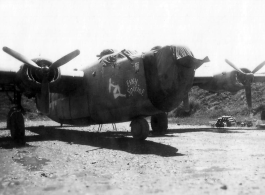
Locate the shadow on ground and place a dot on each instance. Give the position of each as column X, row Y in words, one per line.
column 109, row 140
column 115, row 140
column 212, row 130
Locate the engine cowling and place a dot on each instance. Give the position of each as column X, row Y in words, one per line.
column 30, row 78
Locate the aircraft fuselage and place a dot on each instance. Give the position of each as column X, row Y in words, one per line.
column 122, row 89
column 112, row 93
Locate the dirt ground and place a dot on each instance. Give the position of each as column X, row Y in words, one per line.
column 81, row 160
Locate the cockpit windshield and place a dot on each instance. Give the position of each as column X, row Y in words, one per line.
column 127, row 52
column 112, row 58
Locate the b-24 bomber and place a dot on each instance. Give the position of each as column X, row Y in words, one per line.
column 121, row 86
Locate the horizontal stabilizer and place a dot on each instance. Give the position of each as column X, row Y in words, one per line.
column 201, row 62
column 206, row 59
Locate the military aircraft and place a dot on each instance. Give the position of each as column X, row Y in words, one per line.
column 120, row 86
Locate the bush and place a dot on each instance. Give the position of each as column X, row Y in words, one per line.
column 215, row 113
column 180, row 112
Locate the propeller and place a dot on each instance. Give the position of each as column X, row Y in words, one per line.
column 234, row 66
column 44, row 71
column 246, row 79
column 258, row 67
column 20, row 57
column 45, row 94
column 65, row 59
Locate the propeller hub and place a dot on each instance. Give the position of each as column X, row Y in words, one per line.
column 247, row 78
column 44, row 72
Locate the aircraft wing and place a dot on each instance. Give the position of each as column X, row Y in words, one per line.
column 259, row 78
column 200, row 79
column 68, row 81
column 203, row 75
column 7, row 77
column 65, row 82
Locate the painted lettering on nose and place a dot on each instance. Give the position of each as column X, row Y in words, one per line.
column 134, row 87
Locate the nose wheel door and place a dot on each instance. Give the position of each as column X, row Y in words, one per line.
column 159, row 123
column 139, row 129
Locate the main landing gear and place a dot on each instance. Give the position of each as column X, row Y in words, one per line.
column 159, row 123
column 140, row 127
column 15, row 119
column 15, row 122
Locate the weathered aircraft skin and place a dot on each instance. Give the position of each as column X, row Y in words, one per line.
column 112, row 94
column 118, row 89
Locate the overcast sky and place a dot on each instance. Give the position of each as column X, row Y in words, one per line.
column 219, row 29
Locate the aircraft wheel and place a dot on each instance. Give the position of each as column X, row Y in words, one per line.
column 17, row 126
column 139, row 129
column 159, row 123
column 262, row 115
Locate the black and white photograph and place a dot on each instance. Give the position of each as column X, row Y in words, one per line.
column 132, row 97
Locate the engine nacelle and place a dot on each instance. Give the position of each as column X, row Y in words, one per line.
column 225, row 81
column 30, row 78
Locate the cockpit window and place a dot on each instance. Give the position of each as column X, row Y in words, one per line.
column 112, row 58
column 128, row 52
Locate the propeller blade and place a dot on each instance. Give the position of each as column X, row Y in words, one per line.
column 65, row 59
column 45, row 96
column 20, row 57
column 234, row 66
column 248, row 96
column 258, row 67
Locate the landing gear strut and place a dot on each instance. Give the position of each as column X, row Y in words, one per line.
column 15, row 119
column 262, row 115
column 159, row 123
column 139, row 129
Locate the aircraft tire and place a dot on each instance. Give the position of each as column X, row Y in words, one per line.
column 17, row 126
column 140, row 129
column 159, row 123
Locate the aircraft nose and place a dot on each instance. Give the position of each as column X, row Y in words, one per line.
column 169, row 75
